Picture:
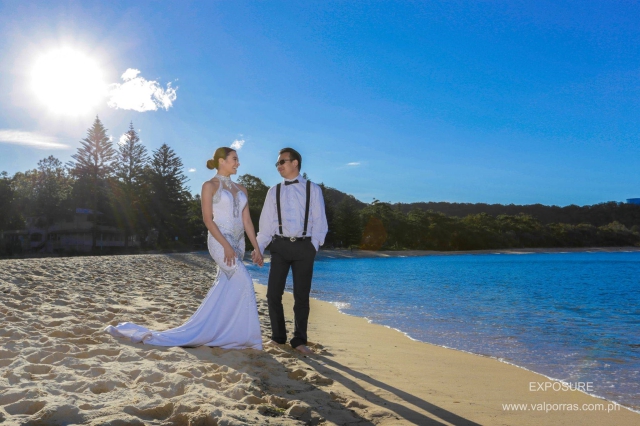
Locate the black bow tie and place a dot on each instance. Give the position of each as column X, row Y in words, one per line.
column 287, row 182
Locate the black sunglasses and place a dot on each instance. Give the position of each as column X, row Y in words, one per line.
column 281, row 162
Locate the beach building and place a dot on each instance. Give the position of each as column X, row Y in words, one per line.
column 633, row 201
column 69, row 235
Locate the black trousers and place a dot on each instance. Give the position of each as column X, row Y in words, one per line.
column 299, row 257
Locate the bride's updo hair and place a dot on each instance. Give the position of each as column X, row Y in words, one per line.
column 222, row 152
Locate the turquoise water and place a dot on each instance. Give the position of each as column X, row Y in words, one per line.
column 570, row 316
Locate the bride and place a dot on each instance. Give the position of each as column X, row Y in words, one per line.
column 228, row 316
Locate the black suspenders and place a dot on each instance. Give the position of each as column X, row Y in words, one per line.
column 306, row 208
column 278, row 206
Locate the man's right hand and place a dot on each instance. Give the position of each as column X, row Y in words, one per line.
column 257, row 258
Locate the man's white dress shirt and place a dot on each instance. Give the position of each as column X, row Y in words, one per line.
column 293, row 199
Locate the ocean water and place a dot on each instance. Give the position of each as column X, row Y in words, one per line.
column 570, row 316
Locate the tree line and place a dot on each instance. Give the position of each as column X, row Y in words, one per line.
column 597, row 214
column 386, row 226
column 145, row 194
column 121, row 185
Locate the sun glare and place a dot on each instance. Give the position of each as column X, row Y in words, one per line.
column 68, row 82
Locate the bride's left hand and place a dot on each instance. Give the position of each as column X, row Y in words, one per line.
column 229, row 255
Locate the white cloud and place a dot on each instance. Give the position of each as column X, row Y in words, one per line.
column 36, row 140
column 355, row 163
column 192, row 170
column 237, row 144
column 130, row 74
column 123, row 139
column 139, row 94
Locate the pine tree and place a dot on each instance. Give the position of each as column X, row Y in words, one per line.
column 6, row 200
column 129, row 171
column 23, row 187
column 92, row 169
column 53, row 187
column 348, row 226
column 169, row 196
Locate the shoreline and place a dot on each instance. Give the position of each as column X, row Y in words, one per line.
column 57, row 364
column 368, row 254
column 476, row 365
column 354, row 254
column 495, row 358
column 365, row 254
column 502, row 360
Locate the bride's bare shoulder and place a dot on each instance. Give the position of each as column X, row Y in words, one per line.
column 211, row 185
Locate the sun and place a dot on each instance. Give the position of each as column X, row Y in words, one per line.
column 68, row 82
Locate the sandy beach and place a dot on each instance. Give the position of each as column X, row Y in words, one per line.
column 57, row 366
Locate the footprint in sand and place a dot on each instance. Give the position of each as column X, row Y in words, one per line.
column 105, row 386
column 281, row 353
column 73, row 387
column 80, row 366
column 85, row 341
column 278, row 401
column 319, row 380
column 252, row 400
column 216, row 377
column 53, row 347
column 297, row 374
column 81, row 330
column 97, row 352
column 28, row 407
column 7, row 354
column 60, row 315
column 37, row 369
column 87, row 407
column 159, row 412
column 152, row 355
column 61, row 334
column 127, row 357
column 171, row 389
column 233, row 377
column 151, row 377
column 11, row 397
column 186, row 374
column 13, row 305
column 236, row 393
column 95, row 372
column 354, row 403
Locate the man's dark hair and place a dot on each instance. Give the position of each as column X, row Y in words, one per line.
column 295, row 155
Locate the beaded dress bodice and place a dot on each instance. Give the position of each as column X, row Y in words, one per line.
column 228, row 203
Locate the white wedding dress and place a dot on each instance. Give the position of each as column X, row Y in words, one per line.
column 228, row 316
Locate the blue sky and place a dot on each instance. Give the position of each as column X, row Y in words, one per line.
column 496, row 102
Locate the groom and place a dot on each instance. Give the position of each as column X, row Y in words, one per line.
column 293, row 222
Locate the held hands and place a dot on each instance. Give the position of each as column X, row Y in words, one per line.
column 229, row 255
column 257, row 258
